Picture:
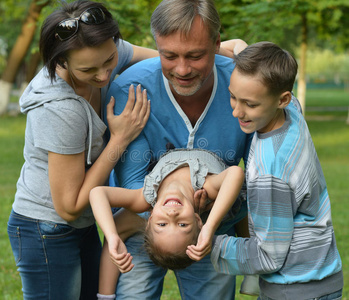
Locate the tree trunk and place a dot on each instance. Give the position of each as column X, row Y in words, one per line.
column 30, row 70
column 19, row 51
column 32, row 66
column 5, row 91
column 302, row 85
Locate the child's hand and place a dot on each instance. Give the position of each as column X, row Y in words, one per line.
column 118, row 254
column 204, row 245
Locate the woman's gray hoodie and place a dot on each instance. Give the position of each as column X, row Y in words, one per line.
column 62, row 122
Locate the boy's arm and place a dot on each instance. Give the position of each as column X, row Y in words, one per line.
column 272, row 203
column 225, row 187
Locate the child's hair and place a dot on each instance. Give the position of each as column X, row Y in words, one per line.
column 165, row 259
column 276, row 68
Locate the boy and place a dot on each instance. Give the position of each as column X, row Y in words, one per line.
column 292, row 245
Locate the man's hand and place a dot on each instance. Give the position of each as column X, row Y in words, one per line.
column 118, row 254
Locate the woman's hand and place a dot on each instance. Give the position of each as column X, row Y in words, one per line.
column 118, row 254
column 129, row 124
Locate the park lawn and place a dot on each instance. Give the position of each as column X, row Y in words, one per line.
column 327, row 98
column 331, row 139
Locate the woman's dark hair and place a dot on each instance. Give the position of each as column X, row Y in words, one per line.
column 55, row 52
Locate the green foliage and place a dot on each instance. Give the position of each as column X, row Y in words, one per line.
column 12, row 14
column 133, row 17
column 3, row 54
column 324, row 66
column 134, row 20
column 279, row 21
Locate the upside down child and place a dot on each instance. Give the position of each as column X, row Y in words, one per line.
column 173, row 224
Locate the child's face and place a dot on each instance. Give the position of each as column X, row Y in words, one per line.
column 173, row 220
column 175, row 240
column 256, row 108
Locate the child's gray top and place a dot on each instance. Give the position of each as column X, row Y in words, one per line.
column 201, row 163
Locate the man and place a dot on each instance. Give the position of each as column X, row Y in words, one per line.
column 190, row 108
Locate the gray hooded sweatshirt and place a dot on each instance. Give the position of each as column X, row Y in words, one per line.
column 62, row 122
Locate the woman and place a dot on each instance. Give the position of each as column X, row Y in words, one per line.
column 51, row 228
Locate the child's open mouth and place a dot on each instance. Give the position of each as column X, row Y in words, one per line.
column 172, row 202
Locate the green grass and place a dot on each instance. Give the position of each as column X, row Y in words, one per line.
column 327, row 97
column 11, row 160
column 331, row 139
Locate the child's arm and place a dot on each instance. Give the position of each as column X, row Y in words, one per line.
column 225, row 187
column 125, row 224
column 101, row 200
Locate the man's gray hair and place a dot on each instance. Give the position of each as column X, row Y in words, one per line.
column 178, row 15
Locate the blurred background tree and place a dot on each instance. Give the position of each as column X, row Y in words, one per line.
column 319, row 27
column 296, row 25
column 19, row 46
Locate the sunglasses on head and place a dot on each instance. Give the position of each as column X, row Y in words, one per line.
column 68, row 27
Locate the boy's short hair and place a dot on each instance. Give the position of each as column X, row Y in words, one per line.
column 276, row 67
column 164, row 259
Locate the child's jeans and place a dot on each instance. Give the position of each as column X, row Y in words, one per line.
column 334, row 296
column 55, row 261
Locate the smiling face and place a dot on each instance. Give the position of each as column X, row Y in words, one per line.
column 174, row 224
column 173, row 221
column 93, row 65
column 255, row 107
column 187, row 61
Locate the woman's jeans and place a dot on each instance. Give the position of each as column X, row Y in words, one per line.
column 55, row 261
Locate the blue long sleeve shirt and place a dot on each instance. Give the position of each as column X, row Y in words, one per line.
column 292, row 244
column 216, row 129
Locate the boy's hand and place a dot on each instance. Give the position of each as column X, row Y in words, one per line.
column 203, row 246
column 118, row 254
